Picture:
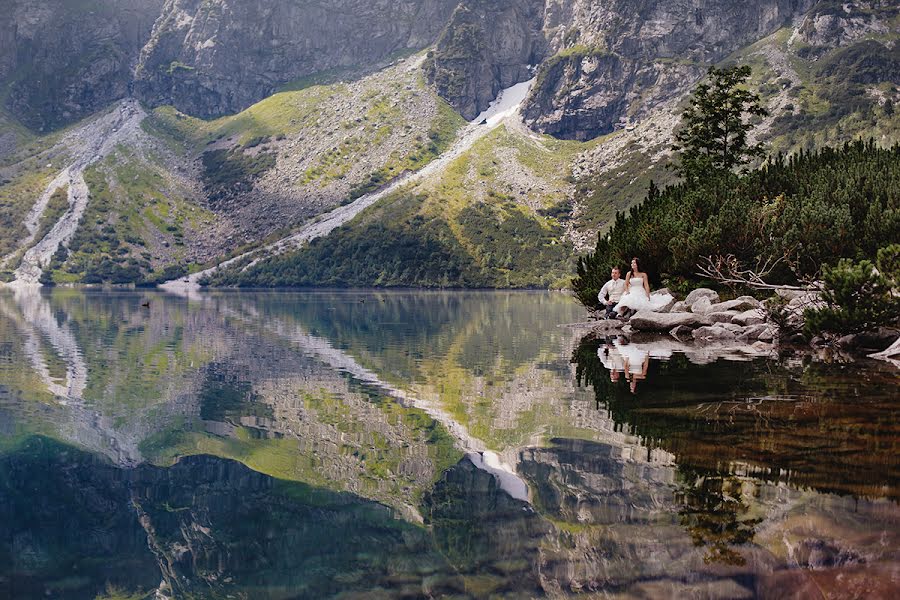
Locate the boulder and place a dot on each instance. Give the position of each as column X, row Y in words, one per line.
column 789, row 294
column 682, row 331
column 713, row 333
column 739, row 305
column 749, row 317
column 707, row 293
column 753, row 332
column 646, row 320
column 721, row 317
column 680, row 306
column 766, row 335
column 808, row 300
column 666, row 307
column 869, row 341
column 701, row 306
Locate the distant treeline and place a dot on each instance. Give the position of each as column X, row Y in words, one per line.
column 807, row 210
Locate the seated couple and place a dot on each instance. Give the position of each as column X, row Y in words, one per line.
column 624, row 297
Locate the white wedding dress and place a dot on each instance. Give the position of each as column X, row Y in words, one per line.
column 636, row 298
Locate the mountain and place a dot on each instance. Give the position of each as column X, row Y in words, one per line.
column 324, row 143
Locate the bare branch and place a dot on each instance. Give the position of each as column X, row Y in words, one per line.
column 730, row 271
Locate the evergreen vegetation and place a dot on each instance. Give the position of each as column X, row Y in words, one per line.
column 798, row 213
column 858, row 295
column 811, row 209
column 713, row 136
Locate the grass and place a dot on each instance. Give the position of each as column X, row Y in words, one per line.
column 132, row 214
column 17, row 196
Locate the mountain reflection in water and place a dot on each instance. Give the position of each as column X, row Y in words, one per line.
column 426, row 444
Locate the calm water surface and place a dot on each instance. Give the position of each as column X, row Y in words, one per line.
column 415, row 444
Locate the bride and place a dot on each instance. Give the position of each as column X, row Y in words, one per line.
column 637, row 292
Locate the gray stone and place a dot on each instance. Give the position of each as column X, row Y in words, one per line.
column 739, row 305
column 707, row 293
column 716, row 333
column 681, row 331
column 749, row 317
column 789, row 294
column 701, row 306
column 721, row 317
column 753, row 332
column 665, row 308
column 646, row 320
column 680, row 306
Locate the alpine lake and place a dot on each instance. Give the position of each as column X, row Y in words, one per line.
column 413, row 444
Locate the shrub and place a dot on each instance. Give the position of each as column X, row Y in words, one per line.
column 858, row 295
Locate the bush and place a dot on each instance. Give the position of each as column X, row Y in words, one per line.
column 858, row 296
column 809, row 208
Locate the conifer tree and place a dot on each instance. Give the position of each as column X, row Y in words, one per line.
column 713, row 136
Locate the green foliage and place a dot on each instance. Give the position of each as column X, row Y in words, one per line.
column 713, row 137
column 858, row 295
column 395, row 244
column 809, row 209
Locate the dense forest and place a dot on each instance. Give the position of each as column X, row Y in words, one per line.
column 801, row 212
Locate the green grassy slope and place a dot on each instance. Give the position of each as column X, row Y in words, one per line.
column 468, row 226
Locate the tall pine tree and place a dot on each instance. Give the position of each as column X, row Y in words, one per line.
column 713, row 136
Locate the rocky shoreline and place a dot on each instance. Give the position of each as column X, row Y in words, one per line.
column 745, row 324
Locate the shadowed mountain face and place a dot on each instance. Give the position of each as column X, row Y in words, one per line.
column 206, row 527
column 62, row 60
column 408, row 444
column 212, row 58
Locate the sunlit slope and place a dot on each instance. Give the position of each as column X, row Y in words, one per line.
column 467, row 225
column 186, row 192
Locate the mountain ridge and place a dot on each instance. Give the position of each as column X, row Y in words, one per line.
column 197, row 191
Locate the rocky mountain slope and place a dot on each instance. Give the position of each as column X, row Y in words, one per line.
column 257, row 120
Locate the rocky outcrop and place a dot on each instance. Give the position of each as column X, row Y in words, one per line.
column 618, row 60
column 646, row 320
column 211, row 57
column 486, row 47
column 62, row 62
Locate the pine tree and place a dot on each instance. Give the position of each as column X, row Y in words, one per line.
column 713, row 136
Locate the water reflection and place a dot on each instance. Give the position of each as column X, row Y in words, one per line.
column 408, row 444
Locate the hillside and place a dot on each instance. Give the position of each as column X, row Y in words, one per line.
column 179, row 151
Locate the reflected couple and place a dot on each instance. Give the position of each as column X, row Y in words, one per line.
column 624, row 360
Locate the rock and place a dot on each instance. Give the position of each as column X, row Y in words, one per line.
column 196, row 57
column 766, row 335
column 584, row 91
column 789, row 294
column 701, row 306
column 627, row 329
column 695, row 295
column 666, row 307
column 713, row 333
column 721, row 317
column 680, row 306
column 808, row 300
column 682, row 331
column 891, row 354
column 739, row 305
column 869, row 341
column 646, row 320
column 472, row 59
column 732, row 327
column 749, row 317
column 754, row 332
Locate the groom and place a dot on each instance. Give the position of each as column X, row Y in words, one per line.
column 612, row 291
